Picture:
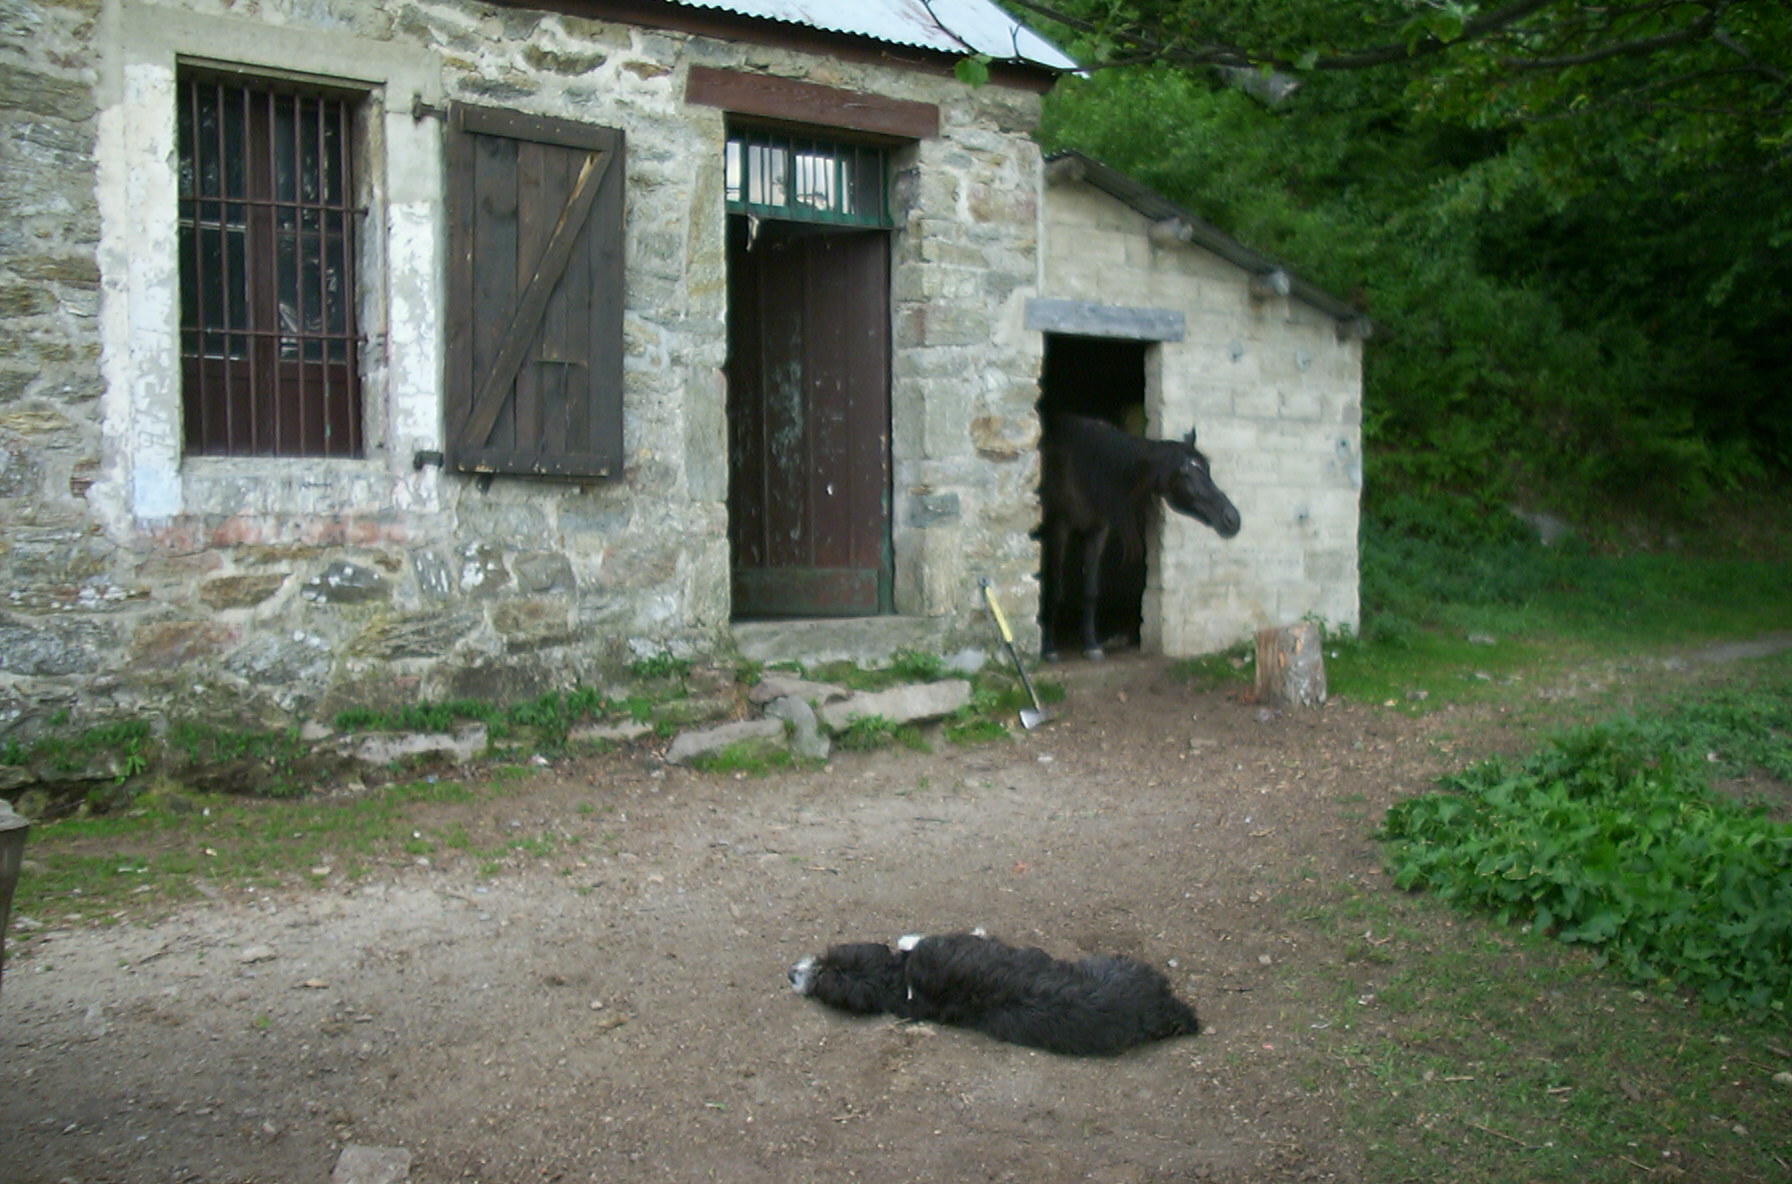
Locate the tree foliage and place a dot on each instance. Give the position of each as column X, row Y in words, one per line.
column 1566, row 220
column 1699, row 73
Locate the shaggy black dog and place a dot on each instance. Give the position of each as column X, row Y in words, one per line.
column 1091, row 1007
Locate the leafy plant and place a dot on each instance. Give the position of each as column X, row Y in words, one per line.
column 1607, row 839
column 421, row 717
column 917, row 666
column 549, row 716
column 206, row 744
column 864, row 733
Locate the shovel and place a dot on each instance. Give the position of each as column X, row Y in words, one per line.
column 1030, row 717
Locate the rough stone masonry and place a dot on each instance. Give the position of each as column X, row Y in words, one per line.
column 139, row 580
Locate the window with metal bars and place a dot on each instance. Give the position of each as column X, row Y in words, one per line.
column 774, row 174
column 269, row 336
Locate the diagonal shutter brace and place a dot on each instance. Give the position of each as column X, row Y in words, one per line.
column 495, row 387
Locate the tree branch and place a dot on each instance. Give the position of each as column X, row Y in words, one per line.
column 1722, row 38
column 1696, row 31
column 1497, row 21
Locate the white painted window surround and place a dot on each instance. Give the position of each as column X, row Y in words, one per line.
column 145, row 479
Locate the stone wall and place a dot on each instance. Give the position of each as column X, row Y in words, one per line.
column 140, row 579
column 1276, row 397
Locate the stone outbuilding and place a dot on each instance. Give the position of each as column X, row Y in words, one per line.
column 363, row 353
column 1156, row 319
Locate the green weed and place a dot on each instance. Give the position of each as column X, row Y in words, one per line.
column 747, row 760
column 864, row 733
column 976, row 731
column 1610, row 837
column 917, row 666
column 659, row 666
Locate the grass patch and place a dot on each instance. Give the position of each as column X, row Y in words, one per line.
column 905, row 666
column 91, row 868
column 976, row 731
column 746, row 759
column 1460, row 601
column 119, row 749
column 1414, row 580
column 1234, row 667
column 1628, row 1017
column 1490, row 1055
column 659, row 666
column 866, row 733
column 544, row 720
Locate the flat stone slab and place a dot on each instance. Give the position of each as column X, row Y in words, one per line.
column 900, row 705
column 371, row 1165
column 386, row 747
column 772, row 687
column 609, row 733
column 690, row 745
column 807, row 739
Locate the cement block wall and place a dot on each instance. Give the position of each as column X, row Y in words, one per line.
column 1275, row 395
column 140, row 579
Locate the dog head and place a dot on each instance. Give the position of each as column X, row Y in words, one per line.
column 864, row 977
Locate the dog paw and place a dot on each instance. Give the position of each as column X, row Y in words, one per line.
column 802, row 976
column 909, row 941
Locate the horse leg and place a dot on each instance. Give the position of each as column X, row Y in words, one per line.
column 1094, row 543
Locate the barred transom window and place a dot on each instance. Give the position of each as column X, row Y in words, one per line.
column 776, row 175
column 268, row 329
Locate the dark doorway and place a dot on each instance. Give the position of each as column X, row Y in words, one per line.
column 1103, row 378
column 808, row 419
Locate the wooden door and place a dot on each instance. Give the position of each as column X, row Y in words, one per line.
column 808, row 419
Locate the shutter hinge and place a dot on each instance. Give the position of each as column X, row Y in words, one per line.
column 422, row 110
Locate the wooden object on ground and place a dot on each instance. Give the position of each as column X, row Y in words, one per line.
column 1291, row 666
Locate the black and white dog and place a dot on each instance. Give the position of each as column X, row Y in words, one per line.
column 1091, row 1007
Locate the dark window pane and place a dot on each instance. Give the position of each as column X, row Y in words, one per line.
column 268, row 330
column 804, row 180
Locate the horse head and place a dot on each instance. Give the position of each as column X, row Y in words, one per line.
column 1188, row 488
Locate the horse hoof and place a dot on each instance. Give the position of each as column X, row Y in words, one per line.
column 1094, row 654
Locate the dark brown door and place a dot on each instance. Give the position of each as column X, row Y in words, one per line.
column 808, row 419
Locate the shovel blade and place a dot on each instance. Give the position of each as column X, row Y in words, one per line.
column 1030, row 719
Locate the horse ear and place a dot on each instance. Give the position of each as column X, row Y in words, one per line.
column 1191, row 438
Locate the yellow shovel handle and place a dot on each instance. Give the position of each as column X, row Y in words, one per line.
column 996, row 610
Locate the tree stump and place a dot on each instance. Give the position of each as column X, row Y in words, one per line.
column 1291, row 666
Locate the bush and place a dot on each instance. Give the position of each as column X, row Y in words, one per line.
column 1611, row 838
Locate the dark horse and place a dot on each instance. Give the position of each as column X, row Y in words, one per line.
column 1100, row 482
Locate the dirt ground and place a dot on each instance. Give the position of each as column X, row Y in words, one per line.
column 615, row 1008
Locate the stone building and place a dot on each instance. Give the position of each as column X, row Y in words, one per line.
column 362, row 353
column 1151, row 315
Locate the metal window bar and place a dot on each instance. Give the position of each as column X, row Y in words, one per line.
column 269, row 336
column 772, row 175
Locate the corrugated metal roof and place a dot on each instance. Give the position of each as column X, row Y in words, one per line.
column 948, row 26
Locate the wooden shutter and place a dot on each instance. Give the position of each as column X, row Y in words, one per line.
column 535, row 217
